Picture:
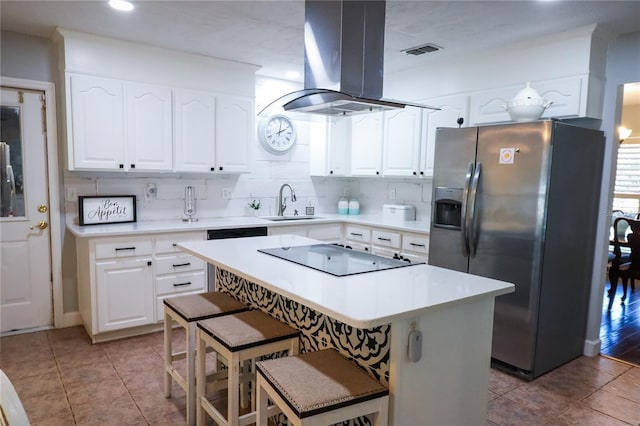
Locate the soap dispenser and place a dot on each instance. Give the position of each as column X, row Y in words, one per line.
column 343, row 206
column 354, row 207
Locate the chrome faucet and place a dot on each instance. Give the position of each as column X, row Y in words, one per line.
column 282, row 202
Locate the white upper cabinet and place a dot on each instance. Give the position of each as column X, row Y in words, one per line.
column 576, row 96
column 366, row 144
column 338, row 154
column 95, row 123
column 451, row 109
column 234, row 133
column 194, row 130
column 329, row 150
column 149, row 136
column 402, row 131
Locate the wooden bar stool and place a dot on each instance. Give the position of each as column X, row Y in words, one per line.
column 319, row 388
column 186, row 311
column 239, row 339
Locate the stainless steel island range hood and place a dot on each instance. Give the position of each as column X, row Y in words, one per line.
column 343, row 60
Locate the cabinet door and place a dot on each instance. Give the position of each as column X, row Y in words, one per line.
column 451, row 108
column 234, row 133
column 194, row 127
column 124, row 294
column 366, row 145
column 149, row 137
column 402, row 131
column 95, row 123
column 338, row 146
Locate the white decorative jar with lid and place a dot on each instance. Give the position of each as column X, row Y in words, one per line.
column 527, row 105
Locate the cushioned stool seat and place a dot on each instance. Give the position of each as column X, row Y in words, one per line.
column 240, row 339
column 319, row 388
column 186, row 311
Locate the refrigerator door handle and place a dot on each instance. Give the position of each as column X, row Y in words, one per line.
column 472, row 210
column 463, row 211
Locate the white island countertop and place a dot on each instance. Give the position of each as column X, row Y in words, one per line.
column 362, row 301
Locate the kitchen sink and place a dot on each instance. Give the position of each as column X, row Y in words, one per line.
column 284, row 218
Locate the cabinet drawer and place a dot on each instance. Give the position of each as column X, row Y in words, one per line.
column 385, row 252
column 159, row 314
column 415, row 243
column 180, row 283
column 327, row 232
column 178, row 264
column 167, row 243
column 357, row 246
column 385, row 238
column 357, row 233
column 414, row 258
column 123, row 247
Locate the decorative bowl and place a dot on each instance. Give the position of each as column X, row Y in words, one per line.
column 527, row 105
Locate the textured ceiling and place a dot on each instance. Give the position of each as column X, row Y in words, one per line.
column 269, row 33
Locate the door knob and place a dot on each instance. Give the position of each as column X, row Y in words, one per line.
column 42, row 208
column 40, row 225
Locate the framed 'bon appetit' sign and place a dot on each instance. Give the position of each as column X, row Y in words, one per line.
column 105, row 209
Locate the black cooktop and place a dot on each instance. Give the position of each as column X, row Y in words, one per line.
column 335, row 260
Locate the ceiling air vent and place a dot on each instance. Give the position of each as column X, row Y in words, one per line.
column 421, row 50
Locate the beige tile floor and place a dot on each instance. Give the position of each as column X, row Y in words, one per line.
column 63, row 379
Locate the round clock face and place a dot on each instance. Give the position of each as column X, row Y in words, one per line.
column 277, row 134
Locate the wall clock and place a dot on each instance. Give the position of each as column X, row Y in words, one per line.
column 277, row 134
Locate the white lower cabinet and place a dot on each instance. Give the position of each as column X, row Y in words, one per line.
column 385, row 243
column 328, row 232
column 124, row 293
column 415, row 248
column 123, row 280
column 176, row 272
column 357, row 237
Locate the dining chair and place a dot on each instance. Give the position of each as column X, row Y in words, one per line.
column 625, row 263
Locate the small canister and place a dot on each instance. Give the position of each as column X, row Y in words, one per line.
column 354, row 207
column 343, row 206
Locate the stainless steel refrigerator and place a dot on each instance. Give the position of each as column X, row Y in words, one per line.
column 519, row 202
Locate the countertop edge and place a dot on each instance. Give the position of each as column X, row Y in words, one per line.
column 363, row 323
column 171, row 226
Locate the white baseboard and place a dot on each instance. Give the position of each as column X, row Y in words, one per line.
column 591, row 347
column 71, row 319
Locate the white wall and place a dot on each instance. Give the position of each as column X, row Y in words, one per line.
column 622, row 66
column 560, row 55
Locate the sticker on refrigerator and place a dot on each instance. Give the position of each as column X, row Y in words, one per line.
column 506, row 155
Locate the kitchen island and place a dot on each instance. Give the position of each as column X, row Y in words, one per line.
column 369, row 316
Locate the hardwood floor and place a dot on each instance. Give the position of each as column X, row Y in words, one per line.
column 620, row 327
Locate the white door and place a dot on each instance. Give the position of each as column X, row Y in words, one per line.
column 25, row 250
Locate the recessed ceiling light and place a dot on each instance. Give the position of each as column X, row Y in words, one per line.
column 292, row 74
column 123, row 5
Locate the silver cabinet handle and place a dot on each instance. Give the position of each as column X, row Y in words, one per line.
column 356, row 234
